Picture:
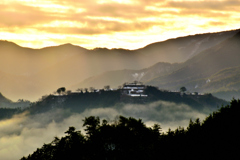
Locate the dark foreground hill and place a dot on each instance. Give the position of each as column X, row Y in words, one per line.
column 128, row 138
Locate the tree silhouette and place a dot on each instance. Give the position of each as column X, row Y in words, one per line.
column 91, row 123
column 79, row 90
column 91, row 89
column 183, row 89
column 61, row 90
column 216, row 137
column 135, row 82
column 86, row 90
column 68, row 92
column 107, row 87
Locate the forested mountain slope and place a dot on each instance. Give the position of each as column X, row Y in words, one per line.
column 129, row 138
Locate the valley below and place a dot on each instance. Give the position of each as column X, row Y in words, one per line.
column 29, row 127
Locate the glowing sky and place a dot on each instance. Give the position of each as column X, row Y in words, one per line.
column 127, row 24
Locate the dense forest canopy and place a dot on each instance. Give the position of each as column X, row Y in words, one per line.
column 129, row 138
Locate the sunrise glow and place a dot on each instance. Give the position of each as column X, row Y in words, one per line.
column 126, row 24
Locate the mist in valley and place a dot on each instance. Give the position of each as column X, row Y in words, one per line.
column 23, row 133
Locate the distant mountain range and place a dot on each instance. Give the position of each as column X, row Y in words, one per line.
column 6, row 103
column 30, row 73
column 212, row 70
column 118, row 77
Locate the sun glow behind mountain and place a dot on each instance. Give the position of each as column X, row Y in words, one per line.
column 126, row 24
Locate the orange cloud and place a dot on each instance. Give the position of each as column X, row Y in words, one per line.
column 207, row 5
column 152, row 19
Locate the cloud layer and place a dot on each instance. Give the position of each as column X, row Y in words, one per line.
column 23, row 134
column 112, row 23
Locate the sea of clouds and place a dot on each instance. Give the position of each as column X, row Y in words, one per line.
column 24, row 133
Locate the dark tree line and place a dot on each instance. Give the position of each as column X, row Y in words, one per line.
column 6, row 113
column 217, row 137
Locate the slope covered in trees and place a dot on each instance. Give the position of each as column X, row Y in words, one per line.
column 129, row 138
column 79, row 101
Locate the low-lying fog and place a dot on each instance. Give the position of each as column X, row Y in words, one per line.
column 24, row 133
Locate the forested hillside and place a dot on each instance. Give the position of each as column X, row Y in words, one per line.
column 28, row 128
column 80, row 101
column 129, row 138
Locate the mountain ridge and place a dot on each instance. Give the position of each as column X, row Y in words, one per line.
column 67, row 64
column 222, row 56
column 197, row 73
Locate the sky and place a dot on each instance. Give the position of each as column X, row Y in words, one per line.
column 128, row 24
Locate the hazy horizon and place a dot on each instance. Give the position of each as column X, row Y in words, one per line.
column 110, row 48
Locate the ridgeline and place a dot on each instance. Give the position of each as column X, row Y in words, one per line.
column 79, row 101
